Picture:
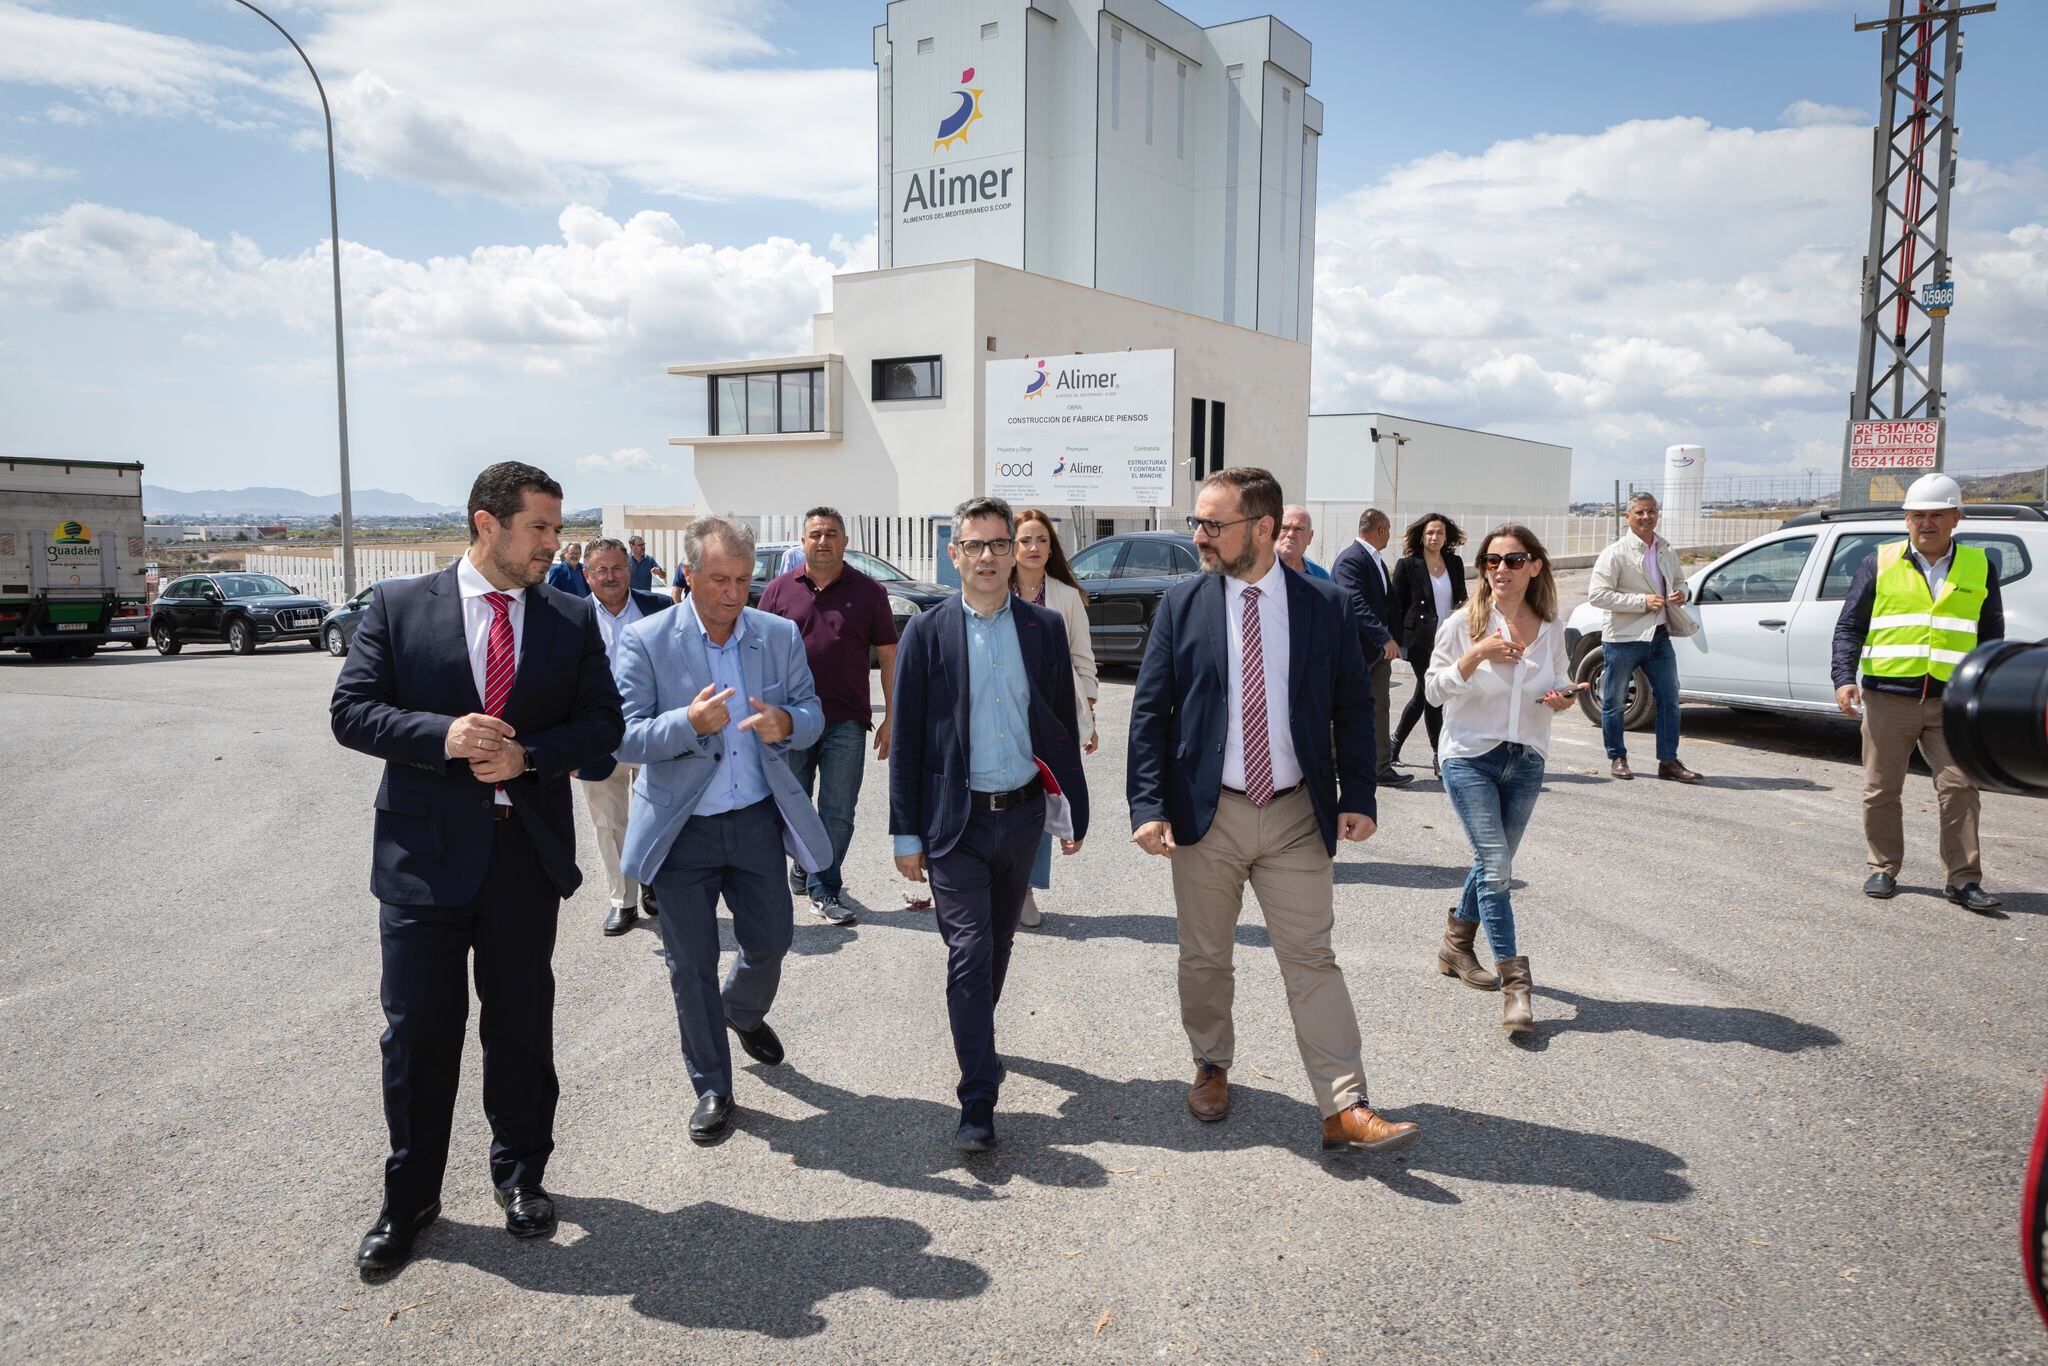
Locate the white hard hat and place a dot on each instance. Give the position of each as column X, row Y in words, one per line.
column 1933, row 492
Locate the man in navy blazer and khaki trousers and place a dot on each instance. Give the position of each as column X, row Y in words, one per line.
column 984, row 760
column 482, row 691
column 1251, row 679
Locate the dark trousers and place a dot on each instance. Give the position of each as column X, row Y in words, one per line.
column 736, row 854
column 978, row 889
column 835, row 765
column 510, row 930
column 1418, row 708
column 1380, row 674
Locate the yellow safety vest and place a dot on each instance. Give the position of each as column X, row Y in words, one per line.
column 1914, row 635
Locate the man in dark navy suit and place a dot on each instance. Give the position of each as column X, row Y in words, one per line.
column 985, row 758
column 482, row 692
column 1251, row 755
column 1360, row 571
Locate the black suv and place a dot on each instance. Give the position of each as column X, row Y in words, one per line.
column 1125, row 576
column 245, row 610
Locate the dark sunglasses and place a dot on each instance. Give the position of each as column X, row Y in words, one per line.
column 1514, row 559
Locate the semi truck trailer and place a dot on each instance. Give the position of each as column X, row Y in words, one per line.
column 72, row 571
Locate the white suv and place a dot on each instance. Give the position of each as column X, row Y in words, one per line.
column 1767, row 610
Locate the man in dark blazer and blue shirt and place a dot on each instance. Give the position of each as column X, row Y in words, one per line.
column 482, row 691
column 1360, row 571
column 985, row 757
column 1251, row 755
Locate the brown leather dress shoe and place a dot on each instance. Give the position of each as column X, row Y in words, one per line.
column 1356, row 1126
column 1619, row 769
column 1209, row 1097
column 1674, row 771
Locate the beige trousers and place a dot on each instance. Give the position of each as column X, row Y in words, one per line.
column 1892, row 726
column 609, row 803
column 1279, row 850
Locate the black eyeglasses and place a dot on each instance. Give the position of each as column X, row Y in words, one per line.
column 1212, row 528
column 1000, row 548
column 1514, row 559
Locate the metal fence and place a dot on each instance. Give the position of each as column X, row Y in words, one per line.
column 321, row 576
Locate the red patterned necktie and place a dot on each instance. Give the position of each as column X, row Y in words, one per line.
column 1258, row 753
column 499, row 656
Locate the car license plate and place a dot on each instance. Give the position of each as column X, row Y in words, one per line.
column 73, row 625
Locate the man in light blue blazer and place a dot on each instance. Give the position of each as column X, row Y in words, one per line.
column 716, row 694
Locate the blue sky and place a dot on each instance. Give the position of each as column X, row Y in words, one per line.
column 162, row 221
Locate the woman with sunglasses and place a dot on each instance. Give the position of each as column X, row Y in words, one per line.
column 1041, row 577
column 1428, row 586
column 1499, row 672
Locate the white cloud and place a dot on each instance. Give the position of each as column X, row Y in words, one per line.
column 70, row 115
column 1658, row 281
column 1675, row 11
column 537, row 103
column 636, row 294
column 630, row 460
column 31, row 168
column 1808, row 113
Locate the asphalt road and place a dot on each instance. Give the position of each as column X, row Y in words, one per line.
column 1763, row 1118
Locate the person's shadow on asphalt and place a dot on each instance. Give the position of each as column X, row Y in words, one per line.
column 1692, row 1023
column 1461, row 1144
column 711, row 1266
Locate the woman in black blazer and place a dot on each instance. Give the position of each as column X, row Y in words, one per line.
column 1429, row 565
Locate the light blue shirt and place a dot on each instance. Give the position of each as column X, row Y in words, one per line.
column 740, row 782
column 998, row 710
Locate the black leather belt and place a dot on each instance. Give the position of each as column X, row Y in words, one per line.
column 1005, row 801
column 500, row 813
column 1278, row 793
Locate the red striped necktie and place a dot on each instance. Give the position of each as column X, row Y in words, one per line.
column 1258, row 751
column 499, row 655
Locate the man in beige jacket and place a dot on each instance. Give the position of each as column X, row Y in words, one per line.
column 1636, row 583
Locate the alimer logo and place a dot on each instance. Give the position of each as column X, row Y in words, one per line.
column 953, row 128
column 1036, row 389
column 72, row 533
column 1060, row 466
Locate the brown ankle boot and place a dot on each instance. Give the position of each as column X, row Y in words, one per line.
column 1455, row 958
column 1515, row 1016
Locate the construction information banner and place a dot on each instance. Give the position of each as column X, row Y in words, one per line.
column 1894, row 445
column 1081, row 430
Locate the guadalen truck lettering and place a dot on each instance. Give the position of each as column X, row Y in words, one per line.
column 933, row 190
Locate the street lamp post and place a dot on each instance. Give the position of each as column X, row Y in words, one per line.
column 1393, row 493
column 348, row 544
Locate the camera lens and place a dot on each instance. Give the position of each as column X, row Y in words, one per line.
column 1994, row 714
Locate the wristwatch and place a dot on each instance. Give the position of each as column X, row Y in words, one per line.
column 529, row 760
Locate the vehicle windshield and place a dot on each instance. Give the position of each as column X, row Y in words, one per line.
column 880, row 570
column 253, row 586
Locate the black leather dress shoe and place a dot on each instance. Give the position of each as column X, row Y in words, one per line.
column 1883, row 886
column 1972, row 897
column 1393, row 777
column 388, row 1244
column 761, row 1044
column 709, row 1121
column 977, row 1131
column 529, row 1211
column 647, row 906
column 620, row 920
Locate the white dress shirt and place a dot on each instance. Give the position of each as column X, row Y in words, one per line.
column 1273, row 645
column 1501, row 702
column 612, row 627
column 1377, row 563
column 476, row 626
column 1934, row 571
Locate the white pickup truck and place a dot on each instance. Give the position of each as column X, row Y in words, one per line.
column 71, row 557
column 1767, row 610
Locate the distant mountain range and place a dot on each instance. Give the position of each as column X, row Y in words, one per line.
column 158, row 501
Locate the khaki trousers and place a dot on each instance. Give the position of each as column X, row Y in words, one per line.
column 1279, row 850
column 1892, row 726
column 609, row 803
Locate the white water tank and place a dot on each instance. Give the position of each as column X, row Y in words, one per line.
column 1685, row 471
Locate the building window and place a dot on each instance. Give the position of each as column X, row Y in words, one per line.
column 989, row 32
column 1198, row 439
column 908, row 377
column 1116, row 78
column 924, row 45
column 1151, row 71
column 1180, row 111
column 767, row 403
column 1218, row 456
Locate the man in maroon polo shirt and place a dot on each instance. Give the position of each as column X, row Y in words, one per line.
column 841, row 613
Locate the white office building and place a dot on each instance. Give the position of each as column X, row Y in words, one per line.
column 1055, row 177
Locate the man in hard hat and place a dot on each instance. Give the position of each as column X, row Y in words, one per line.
column 1914, row 609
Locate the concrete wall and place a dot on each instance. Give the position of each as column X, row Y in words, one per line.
column 1439, row 464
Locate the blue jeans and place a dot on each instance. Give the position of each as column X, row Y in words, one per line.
column 1493, row 795
column 1041, row 866
column 1659, row 663
column 834, row 765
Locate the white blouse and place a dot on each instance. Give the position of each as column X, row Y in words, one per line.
column 1500, row 702
column 1440, row 588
